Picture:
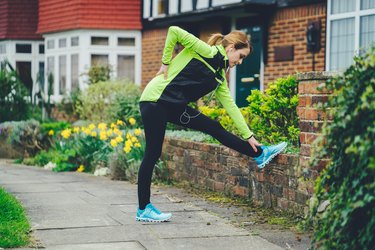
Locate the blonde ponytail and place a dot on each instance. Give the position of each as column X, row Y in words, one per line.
column 215, row 39
column 238, row 38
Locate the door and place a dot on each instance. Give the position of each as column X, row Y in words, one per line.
column 248, row 73
column 24, row 72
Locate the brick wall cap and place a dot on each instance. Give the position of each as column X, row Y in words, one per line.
column 316, row 75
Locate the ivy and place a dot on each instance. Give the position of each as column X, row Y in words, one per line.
column 348, row 182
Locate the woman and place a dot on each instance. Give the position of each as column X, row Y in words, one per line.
column 197, row 70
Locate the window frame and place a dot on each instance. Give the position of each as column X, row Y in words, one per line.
column 357, row 14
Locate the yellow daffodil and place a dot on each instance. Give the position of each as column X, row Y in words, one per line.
column 92, row 126
column 117, row 131
column 51, row 132
column 119, row 139
column 128, row 135
column 132, row 121
column 81, row 168
column 127, row 149
column 93, row 134
column 66, row 133
column 109, row 132
column 119, row 122
column 102, row 126
column 113, row 125
column 134, row 139
column 137, row 145
column 86, row 131
column 103, row 136
column 113, row 143
column 138, row 131
column 76, row 129
column 128, row 143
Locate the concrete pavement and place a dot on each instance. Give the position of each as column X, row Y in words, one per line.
column 81, row 211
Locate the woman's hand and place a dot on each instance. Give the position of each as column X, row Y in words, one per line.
column 163, row 70
column 254, row 143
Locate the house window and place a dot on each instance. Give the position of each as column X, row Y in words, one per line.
column 50, row 44
column 23, row 48
column 99, row 60
column 74, row 71
column 62, row 43
column 3, row 49
column 41, row 75
column 24, row 72
column 98, row 40
column 41, row 48
column 161, row 7
column 62, row 74
column 50, row 74
column 74, row 41
column 126, row 67
column 350, row 30
column 126, row 41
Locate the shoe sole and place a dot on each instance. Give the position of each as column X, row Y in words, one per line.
column 151, row 220
column 272, row 156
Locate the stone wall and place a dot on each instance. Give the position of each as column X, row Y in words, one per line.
column 285, row 184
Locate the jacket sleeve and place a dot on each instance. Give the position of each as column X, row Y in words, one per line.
column 230, row 106
column 189, row 41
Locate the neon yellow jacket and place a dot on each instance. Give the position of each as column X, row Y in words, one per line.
column 197, row 70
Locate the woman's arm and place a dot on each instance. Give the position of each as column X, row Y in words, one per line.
column 189, row 41
column 230, row 106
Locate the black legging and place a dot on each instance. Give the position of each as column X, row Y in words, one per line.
column 155, row 116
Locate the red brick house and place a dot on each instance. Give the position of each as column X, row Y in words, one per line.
column 279, row 34
column 76, row 34
column 19, row 42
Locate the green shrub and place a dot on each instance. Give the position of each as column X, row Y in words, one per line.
column 348, row 182
column 13, row 106
column 30, row 137
column 126, row 104
column 99, row 102
column 26, row 136
column 99, row 73
column 273, row 114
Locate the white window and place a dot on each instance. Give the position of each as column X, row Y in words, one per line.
column 126, row 67
column 62, row 43
column 99, row 60
column 350, row 30
column 50, row 44
column 126, row 41
column 62, row 75
column 162, row 5
column 74, row 41
column 74, row 71
column 23, row 48
column 98, row 40
column 3, row 49
column 50, row 74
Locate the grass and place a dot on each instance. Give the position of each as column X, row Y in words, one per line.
column 14, row 225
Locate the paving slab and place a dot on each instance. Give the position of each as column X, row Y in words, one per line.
column 81, row 211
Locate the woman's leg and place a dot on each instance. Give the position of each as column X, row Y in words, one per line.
column 154, row 118
column 214, row 128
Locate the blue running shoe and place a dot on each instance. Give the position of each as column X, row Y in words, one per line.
column 152, row 214
column 268, row 153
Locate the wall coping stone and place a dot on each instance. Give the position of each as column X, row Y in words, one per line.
column 316, row 75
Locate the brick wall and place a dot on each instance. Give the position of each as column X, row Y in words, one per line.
column 311, row 92
column 221, row 169
column 152, row 51
column 288, row 27
column 286, row 183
